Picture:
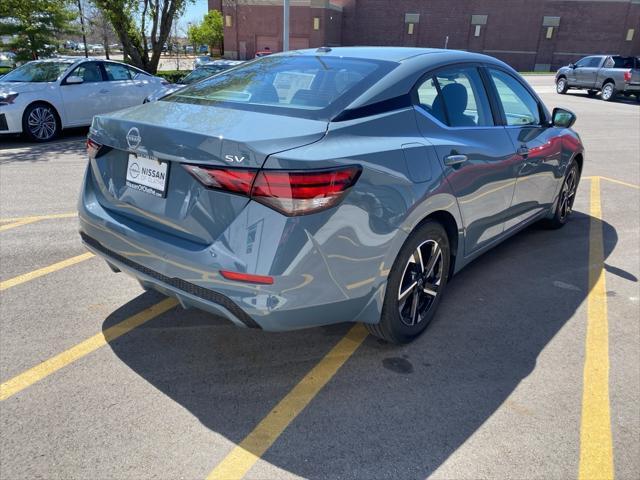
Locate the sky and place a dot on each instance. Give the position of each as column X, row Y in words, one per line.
column 194, row 11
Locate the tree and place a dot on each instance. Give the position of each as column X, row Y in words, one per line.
column 100, row 27
column 142, row 26
column 209, row 32
column 34, row 25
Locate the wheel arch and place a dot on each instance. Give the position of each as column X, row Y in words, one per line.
column 450, row 225
column 580, row 161
column 48, row 104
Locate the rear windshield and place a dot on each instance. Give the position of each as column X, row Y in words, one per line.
column 313, row 87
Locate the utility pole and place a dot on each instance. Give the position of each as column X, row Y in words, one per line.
column 285, row 27
column 84, row 36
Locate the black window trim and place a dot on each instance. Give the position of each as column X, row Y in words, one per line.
column 431, row 73
column 542, row 112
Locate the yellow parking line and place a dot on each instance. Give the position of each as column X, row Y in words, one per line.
column 620, row 182
column 596, row 449
column 20, row 223
column 25, row 277
column 237, row 463
column 9, row 223
column 46, row 368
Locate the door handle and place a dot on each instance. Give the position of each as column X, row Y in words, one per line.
column 452, row 160
column 523, row 150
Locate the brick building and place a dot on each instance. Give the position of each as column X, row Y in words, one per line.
column 528, row 34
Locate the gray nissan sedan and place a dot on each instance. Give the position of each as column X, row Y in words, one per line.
column 324, row 186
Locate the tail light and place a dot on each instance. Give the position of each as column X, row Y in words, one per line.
column 247, row 277
column 289, row 192
column 92, row 148
column 627, row 76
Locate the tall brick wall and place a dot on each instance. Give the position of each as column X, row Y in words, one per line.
column 513, row 31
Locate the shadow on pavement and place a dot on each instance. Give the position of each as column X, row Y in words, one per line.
column 630, row 100
column 22, row 150
column 391, row 412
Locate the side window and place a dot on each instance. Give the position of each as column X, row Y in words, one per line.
column 594, row 62
column 89, row 72
column 136, row 74
column 456, row 97
column 116, row 72
column 520, row 107
column 583, row 62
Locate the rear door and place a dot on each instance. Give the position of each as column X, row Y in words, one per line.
column 84, row 100
column 477, row 155
column 537, row 145
column 125, row 90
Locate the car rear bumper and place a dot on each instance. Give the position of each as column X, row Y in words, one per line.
column 309, row 291
column 632, row 88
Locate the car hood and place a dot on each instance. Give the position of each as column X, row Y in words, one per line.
column 23, row 87
column 205, row 133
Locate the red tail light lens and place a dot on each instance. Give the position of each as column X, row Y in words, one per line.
column 627, row 76
column 300, row 193
column 234, row 180
column 291, row 193
column 92, row 148
column 246, row 277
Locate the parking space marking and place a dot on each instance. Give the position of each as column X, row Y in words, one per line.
column 26, row 277
column 9, row 223
column 596, row 448
column 46, row 368
column 240, row 460
column 620, row 182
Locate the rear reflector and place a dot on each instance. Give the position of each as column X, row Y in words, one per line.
column 290, row 192
column 92, row 148
column 246, row 277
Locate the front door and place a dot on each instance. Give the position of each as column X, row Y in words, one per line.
column 477, row 155
column 84, row 100
column 537, row 145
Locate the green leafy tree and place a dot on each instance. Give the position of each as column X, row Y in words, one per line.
column 34, row 25
column 142, row 26
column 209, row 32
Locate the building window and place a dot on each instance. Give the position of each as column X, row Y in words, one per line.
column 630, row 33
column 476, row 33
column 228, row 21
column 410, row 29
column 549, row 34
column 316, row 23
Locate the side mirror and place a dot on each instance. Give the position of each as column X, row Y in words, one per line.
column 572, row 65
column 563, row 118
column 74, row 80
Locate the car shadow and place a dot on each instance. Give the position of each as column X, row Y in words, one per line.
column 71, row 141
column 631, row 100
column 390, row 412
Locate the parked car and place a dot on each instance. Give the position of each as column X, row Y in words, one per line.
column 200, row 73
column 264, row 52
column 7, row 59
column 42, row 97
column 96, row 49
column 609, row 74
column 326, row 186
column 203, row 49
column 201, row 60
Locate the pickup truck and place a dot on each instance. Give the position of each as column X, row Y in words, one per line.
column 609, row 74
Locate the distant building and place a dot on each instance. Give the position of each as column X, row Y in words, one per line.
column 528, row 34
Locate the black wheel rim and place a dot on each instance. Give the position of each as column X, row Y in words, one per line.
column 42, row 123
column 568, row 194
column 420, row 283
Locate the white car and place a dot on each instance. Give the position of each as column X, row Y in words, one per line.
column 42, row 97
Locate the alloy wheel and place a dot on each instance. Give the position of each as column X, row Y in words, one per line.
column 560, row 85
column 568, row 194
column 420, row 282
column 42, row 123
column 607, row 91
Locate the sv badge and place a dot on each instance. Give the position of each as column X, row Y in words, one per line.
column 234, row 158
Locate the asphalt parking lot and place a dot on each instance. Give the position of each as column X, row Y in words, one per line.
column 101, row 379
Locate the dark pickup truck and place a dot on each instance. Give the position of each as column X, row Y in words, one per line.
column 609, row 74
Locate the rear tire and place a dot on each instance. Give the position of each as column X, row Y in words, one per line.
column 608, row 91
column 564, row 205
column 415, row 285
column 40, row 122
column 562, row 86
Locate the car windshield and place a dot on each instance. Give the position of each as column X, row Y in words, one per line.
column 313, row 87
column 200, row 73
column 37, row 72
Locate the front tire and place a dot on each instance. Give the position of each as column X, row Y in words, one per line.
column 562, row 86
column 564, row 205
column 415, row 286
column 608, row 91
column 40, row 122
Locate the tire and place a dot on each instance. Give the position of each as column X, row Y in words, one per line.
column 592, row 93
column 40, row 122
column 412, row 297
column 564, row 205
column 608, row 91
column 562, row 85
